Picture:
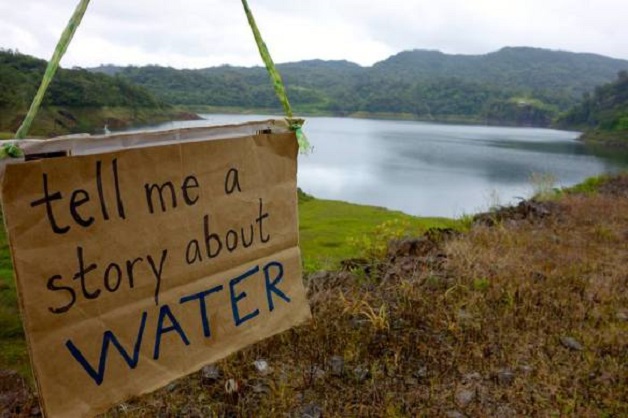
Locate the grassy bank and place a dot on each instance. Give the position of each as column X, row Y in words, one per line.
column 332, row 231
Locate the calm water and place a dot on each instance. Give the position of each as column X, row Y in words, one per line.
column 434, row 170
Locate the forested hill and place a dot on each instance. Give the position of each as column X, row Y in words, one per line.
column 523, row 68
column 76, row 100
column 524, row 86
column 604, row 113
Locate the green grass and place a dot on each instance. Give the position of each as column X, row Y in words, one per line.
column 589, row 186
column 327, row 229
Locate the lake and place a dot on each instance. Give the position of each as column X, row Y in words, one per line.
column 429, row 169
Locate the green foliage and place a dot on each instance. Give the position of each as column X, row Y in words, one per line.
column 374, row 244
column 521, row 112
column 481, row 284
column 589, row 186
column 326, row 227
column 605, row 110
column 20, row 76
column 427, row 85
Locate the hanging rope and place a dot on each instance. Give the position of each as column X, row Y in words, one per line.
column 295, row 123
column 62, row 46
column 53, row 65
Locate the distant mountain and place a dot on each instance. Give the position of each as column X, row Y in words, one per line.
column 528, row 86
column 523, row 68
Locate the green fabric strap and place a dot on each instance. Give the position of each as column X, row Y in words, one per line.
column 53, row 65
column 294, row 123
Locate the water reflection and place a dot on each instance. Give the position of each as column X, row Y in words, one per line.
column 435, row 170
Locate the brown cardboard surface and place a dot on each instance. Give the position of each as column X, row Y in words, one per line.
column 139, row 266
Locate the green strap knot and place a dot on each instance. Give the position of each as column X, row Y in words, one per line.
column 296, row 126
column 11, row 150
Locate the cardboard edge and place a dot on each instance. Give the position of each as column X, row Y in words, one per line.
column 83, row 144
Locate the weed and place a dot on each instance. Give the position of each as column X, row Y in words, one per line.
column 543, row 186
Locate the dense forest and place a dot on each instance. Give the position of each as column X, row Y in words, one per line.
column 519, row 86
column 605, row 109
column 602, row 114
column 68, row 96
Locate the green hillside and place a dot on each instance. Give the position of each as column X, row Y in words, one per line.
column 602, row 114
column 76, row 101
column 519, row 86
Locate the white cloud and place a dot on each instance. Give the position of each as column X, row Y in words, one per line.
column 201, row 33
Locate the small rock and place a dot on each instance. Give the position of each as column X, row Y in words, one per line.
column 361, row 373
column 420, row 373
column 463, row 315
column 454, row 414
column 526, row 369
column 316, row 372
column 210, row 373
column 232, row 386
column 469, row 377
column 504, row 411
column 312, row 411
column 35, row 411
column 260, row 387
column 622, row 316
column 505, row 377
column 571, row 343
column 464, row 397
column 337, row 366
column 262, row 367
column 171, row 387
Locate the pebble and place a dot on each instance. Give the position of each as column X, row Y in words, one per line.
column 526, row 369
column 312, row 411
column 420, row 373
column 232, row 386
column 337, row 366
column 454, row 414
column 260, row 387
column 571, row 343
column 505, row 377
column 210, row 373
column 361, row 373
column 472, row 376
column 464, row 397
column 316, row 372
column 622, row 316
column 262, row 367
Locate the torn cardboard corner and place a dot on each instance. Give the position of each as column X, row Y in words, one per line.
column 140, row 262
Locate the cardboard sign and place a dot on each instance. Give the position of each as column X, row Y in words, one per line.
column 139, row 266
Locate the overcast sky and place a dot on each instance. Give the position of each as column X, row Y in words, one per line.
column 203, row 33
